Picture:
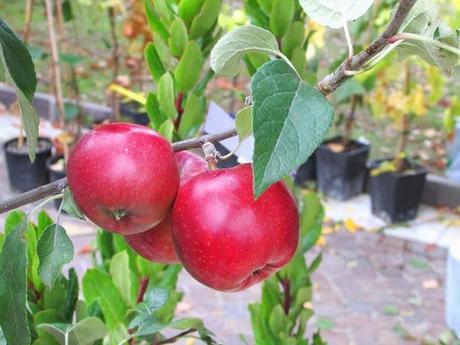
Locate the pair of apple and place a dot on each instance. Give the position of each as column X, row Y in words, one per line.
column 127, row 179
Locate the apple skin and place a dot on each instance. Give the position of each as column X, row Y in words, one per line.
column 123, row 177
column 227, row 240
column 156, row 244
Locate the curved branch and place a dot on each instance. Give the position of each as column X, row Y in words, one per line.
column 58, row 186
column 332, row 81
column 328, row 85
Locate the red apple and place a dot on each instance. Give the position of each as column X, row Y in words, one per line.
column 226, row 239
column 123, row 177
column 156, row 244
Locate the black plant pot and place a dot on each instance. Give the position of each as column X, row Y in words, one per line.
column 306, row 172
column 395, row 197
column 131, row 111
column 341, row 175
column 24, row 175
column 55, row 174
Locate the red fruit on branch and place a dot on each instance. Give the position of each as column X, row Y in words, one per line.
column 156, row 244
column 226, row 239
column 123, row 177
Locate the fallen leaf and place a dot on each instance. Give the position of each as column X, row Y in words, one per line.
column 325, row 324
column 419, row 263
column 415, row 300
column 390, row 309
column 350, row 225
column 402, row 332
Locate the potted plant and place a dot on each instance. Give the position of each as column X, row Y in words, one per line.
column 397, row 183
column 341, row 161
column 24, row 175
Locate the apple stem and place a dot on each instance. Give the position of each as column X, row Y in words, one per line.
column 211, row 155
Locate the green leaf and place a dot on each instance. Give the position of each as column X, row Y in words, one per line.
column 178, row 37
column 188, row 9
column 156, row 117
column 311, row 221
column 281, row 16
column 43, row 221
column 243, row 123
column 206, row 19
column 13, row 287
column 334, row 13
column 154, row 21
column 47, row 316
column 166, row 98
column 419, row 263
column 294, row 38
column 315, row 264
column 72, row 295
column 55, row 297
column 278, row 321
column 67, row 10
column 154, row 61
column 55, row 249
column 70, row 206
column 228, row 52
column 290, row 120
column 192, row 118
column 85, row 332
column 121, row 276
column 188, row 70
column 424, row 20
column 155, row 298
column 97, row 285
column 17, row 68
column 17, row 61
column 167, row 130
column 13, row 220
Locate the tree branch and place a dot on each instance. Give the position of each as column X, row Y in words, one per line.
column 56, row 187
column 328, row 85
column 332, row 81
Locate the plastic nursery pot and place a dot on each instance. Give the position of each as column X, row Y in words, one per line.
column 341, row 175
column 56, row 171
column 130, row 110
column 395, row 197
column 23, row 175
column 306, row 172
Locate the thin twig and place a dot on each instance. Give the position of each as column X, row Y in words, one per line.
column 172, row 340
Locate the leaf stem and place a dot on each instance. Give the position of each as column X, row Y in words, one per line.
column 51, row 198
column 416, row 37
column 349, row 40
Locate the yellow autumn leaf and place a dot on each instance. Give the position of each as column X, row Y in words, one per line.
column 321, row 241
column 350, row 225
